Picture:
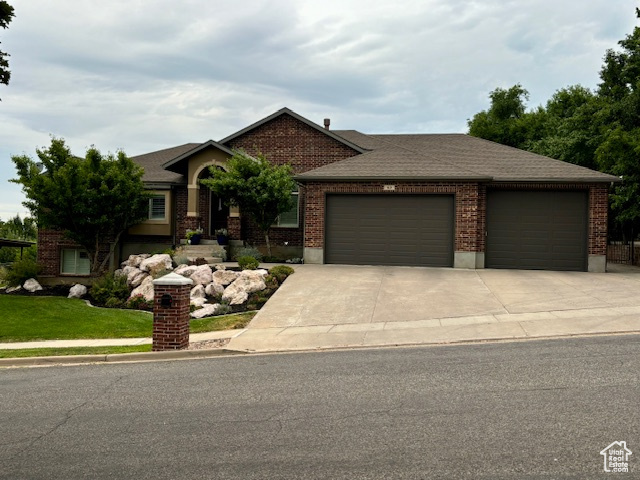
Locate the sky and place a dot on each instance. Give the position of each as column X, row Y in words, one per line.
column 143, row 75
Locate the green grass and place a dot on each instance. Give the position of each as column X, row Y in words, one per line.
column 223, row 322
column 27, row 318
column 48, row 352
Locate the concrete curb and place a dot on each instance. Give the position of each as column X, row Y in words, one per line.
column 116, row 357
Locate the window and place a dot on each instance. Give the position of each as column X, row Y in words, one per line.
column 157, row 207
column 75, row 261
column 290, row 217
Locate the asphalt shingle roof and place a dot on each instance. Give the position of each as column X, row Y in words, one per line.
column 447, row 157
column 152, row 164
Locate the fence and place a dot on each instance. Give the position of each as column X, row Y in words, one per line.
column 623, row 252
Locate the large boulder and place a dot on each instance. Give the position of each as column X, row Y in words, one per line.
column 202, row 275
column 157, row 263
column 145, row 289
column 134, row 260
column 77, row 291
column 207, row 310
column 238, row 292
column 213, row 289
column 197, row 292
column 185, row 270
column 198, row 302
column 32, row 285
column 136, row 278
column 225, row 277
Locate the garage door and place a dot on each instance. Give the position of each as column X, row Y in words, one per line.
column 537, row 230
column 390, row 230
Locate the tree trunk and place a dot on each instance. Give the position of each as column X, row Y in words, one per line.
column 266, row 238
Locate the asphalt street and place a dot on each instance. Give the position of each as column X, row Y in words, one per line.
column 536, row 409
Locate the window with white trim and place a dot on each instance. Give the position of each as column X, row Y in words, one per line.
column 157, row 207
column 290, row 217
column 75, row 261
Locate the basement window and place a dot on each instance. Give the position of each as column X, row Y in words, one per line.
column 75, row 262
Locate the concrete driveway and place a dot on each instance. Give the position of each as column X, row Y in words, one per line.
column 468, row 304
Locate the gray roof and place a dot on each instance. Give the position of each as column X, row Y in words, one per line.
column 447, row 157
column 154, row 171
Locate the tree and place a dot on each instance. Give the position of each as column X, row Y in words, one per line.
column 260, row 189
column 92, row 199
column 6, row 15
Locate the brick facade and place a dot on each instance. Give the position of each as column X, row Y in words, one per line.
column 171, row 324
column 51, row 242
column 470, row 208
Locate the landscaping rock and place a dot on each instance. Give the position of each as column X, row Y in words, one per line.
column 197, row 292
column 14, row 289
column 77, row 291
column 213, row 289
column 145, row 289
column 32, row 285
column 202, row 275
column 260, row 273
column 134, row 260
column 225, row 277
column 119, row 273
column 198, row 302
column 136, row 278
column 219, row 266
column 207, row 310
column 238, row 292
column 157, row 263
column 185, row 270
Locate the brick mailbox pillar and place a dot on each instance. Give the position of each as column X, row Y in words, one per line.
column 171, row 312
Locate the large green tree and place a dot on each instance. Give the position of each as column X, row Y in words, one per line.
column 260, row 189
column 596, row 129
column 6, row 15
column 92, row 199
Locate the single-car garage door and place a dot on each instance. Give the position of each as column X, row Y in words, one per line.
column 390, row 230
column 544, row 230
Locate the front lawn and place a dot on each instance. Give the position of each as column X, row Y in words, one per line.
column 30, row 318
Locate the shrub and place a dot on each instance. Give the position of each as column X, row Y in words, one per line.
column 200, row 261
column 113, row 302
column 138, row 302
column 247, row 251
column 160, row 273
column 110, row 286
column 220, row 252
column 224, row 309
column 248, row 263
column 21, row 271
column 181, row 260
column 281, row 272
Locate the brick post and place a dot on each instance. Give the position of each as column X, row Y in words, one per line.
column 171, row 312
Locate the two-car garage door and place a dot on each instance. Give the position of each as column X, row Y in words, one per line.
column 390, row 230
column 525, row 229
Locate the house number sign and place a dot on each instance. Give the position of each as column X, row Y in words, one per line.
column 389, row 188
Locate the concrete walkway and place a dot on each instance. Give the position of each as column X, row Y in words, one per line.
column 330, row 306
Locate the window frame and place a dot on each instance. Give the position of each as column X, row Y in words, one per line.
column 77, row 257
column 277, row 223
column 157, row 196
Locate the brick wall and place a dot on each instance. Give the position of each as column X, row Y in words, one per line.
column 171, row 325
column 470, row 208
column 287, row 140
column 51, row 242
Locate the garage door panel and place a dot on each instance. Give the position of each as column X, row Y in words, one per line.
column 389, row 229
column 537, row 230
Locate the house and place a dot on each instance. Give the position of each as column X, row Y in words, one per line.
column 448, row 200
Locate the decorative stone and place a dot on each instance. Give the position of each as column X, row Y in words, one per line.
column 135, row 279
column 157, row 263
column 185, row 270
column 197, row 292
column 77, row 291
column 207, row 310
column 135, row 260
column 32, row 285
column 219, row 266
column 213, row 289
column 13, row 289
column 238, row 292
column 145, row 289
column 198, row 301
column 202, row 275
column 225, row 277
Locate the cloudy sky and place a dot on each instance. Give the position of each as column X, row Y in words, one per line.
column 142, row 75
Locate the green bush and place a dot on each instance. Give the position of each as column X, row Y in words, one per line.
column 247, row 251
column 281, row 272
column 138, row 302
column 248, row 263
column 21, row 271
column 113, row 302
column 181, row 260
column 109, row 287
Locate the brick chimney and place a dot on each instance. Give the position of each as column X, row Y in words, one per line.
column 327, row 122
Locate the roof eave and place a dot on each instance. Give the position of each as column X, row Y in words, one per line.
column 327, row 178
column 207, row 144
column 558, row 180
